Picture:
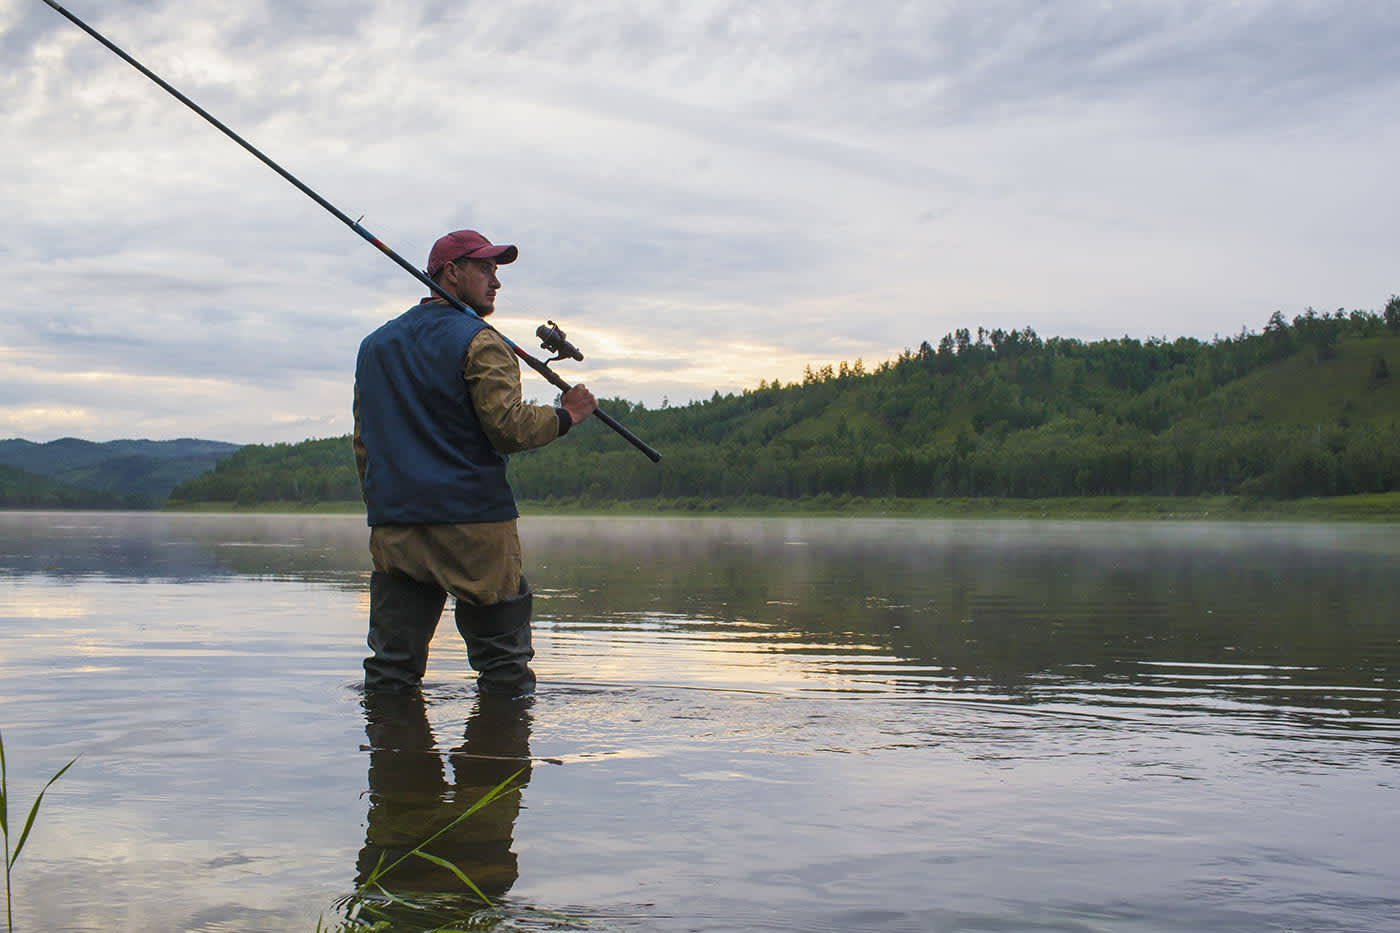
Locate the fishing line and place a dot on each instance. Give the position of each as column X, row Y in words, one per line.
column 537, row 365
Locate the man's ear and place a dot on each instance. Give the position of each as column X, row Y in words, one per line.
column 448, row 275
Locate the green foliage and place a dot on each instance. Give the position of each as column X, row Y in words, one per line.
column 12, row 857
column 1297, row 410
column 309, row 472
column 1380, row 369
column 22, row 490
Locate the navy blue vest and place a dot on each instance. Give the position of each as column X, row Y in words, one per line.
column 429, row 462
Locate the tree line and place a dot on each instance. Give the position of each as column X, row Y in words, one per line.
column 312, row 471
column 23, row 490
column 1305, row 407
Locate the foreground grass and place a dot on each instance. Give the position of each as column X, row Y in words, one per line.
column 1375, row 507
column 13, row 856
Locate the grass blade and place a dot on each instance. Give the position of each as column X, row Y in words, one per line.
column 362, row 902
column 34, row 811
column 374, row 874
column 499, row 790
column 461, row 875
column 4, row 801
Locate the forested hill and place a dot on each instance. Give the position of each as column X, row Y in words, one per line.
column 73, row 473
column 1307, row 407
column 20, row 489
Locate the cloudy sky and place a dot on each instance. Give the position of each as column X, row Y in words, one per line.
column 705, row 195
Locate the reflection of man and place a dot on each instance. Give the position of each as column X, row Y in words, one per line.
column 437, row 409
column 410, row 799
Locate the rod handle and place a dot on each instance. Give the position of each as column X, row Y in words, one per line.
column 559, row 383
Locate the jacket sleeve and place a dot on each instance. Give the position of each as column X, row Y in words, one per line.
column 492, row 375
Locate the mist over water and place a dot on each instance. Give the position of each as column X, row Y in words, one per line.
column 788, row 724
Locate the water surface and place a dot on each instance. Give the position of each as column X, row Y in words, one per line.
column 742, row 724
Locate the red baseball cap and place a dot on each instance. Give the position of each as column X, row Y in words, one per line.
column 466, row 244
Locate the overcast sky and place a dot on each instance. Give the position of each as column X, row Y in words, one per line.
column 705, row 195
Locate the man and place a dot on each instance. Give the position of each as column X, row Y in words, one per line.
column 437, row 410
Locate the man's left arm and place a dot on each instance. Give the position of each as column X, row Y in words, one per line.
column 493, row 381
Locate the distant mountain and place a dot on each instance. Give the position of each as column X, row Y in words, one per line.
column 132, row 473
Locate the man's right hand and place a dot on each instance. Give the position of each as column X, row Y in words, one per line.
column 578, row 402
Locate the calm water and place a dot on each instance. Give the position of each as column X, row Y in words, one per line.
column 741, row 725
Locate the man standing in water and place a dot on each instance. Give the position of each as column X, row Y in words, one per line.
column 437, row 409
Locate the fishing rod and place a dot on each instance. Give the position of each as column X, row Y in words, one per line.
column 552, row 339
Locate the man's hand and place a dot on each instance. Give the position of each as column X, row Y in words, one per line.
column 578, row 402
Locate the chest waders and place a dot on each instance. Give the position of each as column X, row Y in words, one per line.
column 404, row 615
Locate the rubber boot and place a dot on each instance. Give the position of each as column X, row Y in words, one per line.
column 403, row 614
column 498, row 643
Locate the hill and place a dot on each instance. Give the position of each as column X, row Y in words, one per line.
column 312, row 471
column 1305, row 408
column 22, row 490
column 132, row 473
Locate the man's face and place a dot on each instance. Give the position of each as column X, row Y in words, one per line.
column 474, row 283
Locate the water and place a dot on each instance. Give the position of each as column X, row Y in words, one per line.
column 741, row 725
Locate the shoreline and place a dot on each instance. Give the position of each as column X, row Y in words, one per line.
column 1375, row 507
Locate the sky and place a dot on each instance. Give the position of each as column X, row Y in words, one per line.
column 705, row 195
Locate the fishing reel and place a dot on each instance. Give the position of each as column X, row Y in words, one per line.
column 552, row 339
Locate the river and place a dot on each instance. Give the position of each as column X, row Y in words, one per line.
column 742, row 724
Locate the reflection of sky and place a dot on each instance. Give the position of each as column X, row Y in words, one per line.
column 715, row 657
column 21, row 603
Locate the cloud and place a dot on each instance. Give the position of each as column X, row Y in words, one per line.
column 704, row 196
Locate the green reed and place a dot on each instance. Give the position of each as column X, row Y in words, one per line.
column 11, row 858
column 368, row 907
